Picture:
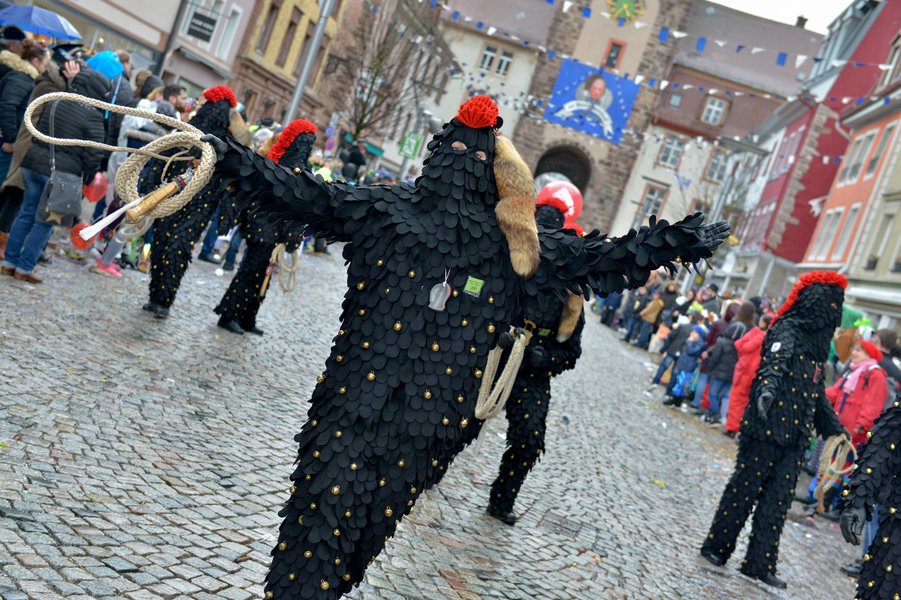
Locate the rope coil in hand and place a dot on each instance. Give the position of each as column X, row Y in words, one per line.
column 287, row 272
column 493, row 395
column 127, row 177
column 838, row 452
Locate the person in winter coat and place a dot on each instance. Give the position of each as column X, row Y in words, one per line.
column 611, row 305
column 675, row 342
column 679, row 386
column 15, row 90
column 860, row 394
column 28, row 236
column 637, row 302
column 748, row 348
column 55, row 79
column 722, row 361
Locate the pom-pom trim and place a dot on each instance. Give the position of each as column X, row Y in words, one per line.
column 287, row 137
column 553, row 203
column 808, row 279
column 478, row 112
column 221, row 92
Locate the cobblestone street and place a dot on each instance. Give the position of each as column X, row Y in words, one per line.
column 145, row 459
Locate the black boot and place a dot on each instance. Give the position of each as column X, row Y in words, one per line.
column 713, row 558
column 254, row 330
column 769, row 579
column 505, row 516
column 230, row 325
column 159, row 311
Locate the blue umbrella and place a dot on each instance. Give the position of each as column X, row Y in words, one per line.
column 39, row 22
column 107, row 64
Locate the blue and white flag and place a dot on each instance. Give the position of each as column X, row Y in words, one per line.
column 591, row 100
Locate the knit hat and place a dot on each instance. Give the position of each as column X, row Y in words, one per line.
column 871, row 349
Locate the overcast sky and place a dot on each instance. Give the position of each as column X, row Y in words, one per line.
column 819, row 13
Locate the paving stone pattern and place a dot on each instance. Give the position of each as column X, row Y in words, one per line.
column 147, row 459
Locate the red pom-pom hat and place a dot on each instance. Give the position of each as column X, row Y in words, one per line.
column 221, row 92
column 478, row 112
column 808, row 279
column 553, row 202
column 287, row 137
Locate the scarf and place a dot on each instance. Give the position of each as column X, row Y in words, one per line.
column 857, row 370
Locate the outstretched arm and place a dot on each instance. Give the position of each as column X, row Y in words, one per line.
column 605, row 265
column 296, row 202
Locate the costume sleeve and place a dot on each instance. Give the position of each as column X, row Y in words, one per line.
column 774, row 363
column 605, row 264
column 825, row 419
column 295, row 202
column 562, row 356
column 877, row 464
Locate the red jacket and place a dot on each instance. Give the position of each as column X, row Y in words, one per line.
column 861, row 407
column 748, row 347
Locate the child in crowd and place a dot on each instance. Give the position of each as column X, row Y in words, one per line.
column 680, row 383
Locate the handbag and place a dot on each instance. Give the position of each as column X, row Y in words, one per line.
column 61, row 201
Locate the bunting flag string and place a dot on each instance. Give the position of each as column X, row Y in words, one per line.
column 664, row 35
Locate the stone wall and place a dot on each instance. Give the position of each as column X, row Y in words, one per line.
column 611, row 164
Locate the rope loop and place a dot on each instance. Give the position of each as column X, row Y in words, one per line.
column 187, row 136
column 493, row 396
column 837, row 459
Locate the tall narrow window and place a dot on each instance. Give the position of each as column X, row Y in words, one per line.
column 861, row 157
column 845, row 235
column 714, row 110
column 503, row 63
column 228, row 33
column 675, row 99
column 268, row 26
column 650, row 205
column 893, row 65
column 288, row 37
column 850, row 157
column 488, row 57
column 827, row 234
column 716, row 170
column 301, row 54
column 671, row 153
column 614, row 55
column 880, row 149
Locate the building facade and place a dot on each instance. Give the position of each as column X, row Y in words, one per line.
column 192, row 42
column 600, row 169
column 271, row 56
column 803, row 138
column 711, row 96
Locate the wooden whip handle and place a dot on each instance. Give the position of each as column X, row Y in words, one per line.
column 152, row 200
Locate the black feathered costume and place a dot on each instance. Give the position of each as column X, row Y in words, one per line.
column 400, row 384
column 555, row 322
column 241, row 302
column 877, row 481
column 174, row 236
column 788, row 402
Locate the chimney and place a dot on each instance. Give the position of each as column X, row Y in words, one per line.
column 801, row 22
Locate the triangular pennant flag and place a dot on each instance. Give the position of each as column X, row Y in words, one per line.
column 586, row 12
column 679, row 34
column 839, row 63
column 640, row 24
column 739, row 48
column 756, row 50
column 455, row 16
column 781, row 58
column 664, row 35
column 885, row 67
column 620, row 22
column 701, row 44
column 605, row 14
column 567, row 4
column 846, row 99
column 686, row 86
column 551, row 54
column 639, row 79
column 663, row 84
column 712, row 91
column 720, row 43
column 491, row 30
column 825, row 159
column 799, row 60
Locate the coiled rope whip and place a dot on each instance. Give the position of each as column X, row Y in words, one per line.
column 287, row 272
column 837, row 451
column 165, row 201
column 493, row 395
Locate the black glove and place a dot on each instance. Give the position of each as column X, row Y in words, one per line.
column 505, row 341
column 537, row 356
column 852, row 521
column 764, row 403
column 714, row 234
column 218, row 145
